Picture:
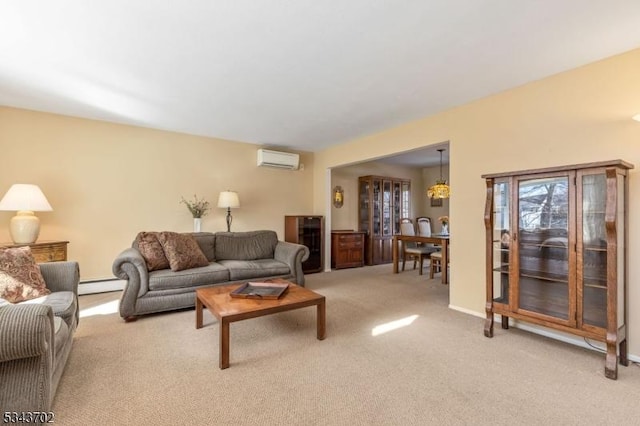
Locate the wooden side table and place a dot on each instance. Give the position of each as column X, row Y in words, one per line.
column 45, row 251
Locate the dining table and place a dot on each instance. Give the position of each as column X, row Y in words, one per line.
column 440, row 239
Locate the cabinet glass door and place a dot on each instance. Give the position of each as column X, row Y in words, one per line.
column 501, row 240
column 397, row 207
column 406, row 199
column 363, row 214
column 592, row 249
column 544, row 281
column 376, row 213
column 386, row 208
column 310, row 235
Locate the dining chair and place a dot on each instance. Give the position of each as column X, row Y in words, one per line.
column 435, row 263
column 424, row 226
column 424, row 230
column 411, row 249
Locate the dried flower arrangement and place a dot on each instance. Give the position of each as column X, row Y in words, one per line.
column 197, row 207
column 443, row 220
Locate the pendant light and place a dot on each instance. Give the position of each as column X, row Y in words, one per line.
column 440, row 189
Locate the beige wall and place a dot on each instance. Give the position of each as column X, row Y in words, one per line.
column 106, row 182
column 579, row 116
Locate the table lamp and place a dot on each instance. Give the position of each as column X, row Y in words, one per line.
column 228, row 200
column 24, row 199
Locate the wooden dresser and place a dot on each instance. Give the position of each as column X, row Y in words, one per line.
column 347, row 249
column 45, row 251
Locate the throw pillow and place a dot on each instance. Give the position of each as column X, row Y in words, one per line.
column 20, row 276
column 182, row 251
column 151, row 249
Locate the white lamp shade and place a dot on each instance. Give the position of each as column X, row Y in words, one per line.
column 24, row 196
column 228, row 200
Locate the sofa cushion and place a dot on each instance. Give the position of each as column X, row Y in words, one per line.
column 20, row 276
column 63, row 304
column 213, row 273
column 246, row 245
column 182, row 250
column 249, row 269
column 151, row 250
column 206, row 241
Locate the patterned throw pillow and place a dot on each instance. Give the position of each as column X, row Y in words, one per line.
column 20, row 276
column 151, row 249
column 182, row 250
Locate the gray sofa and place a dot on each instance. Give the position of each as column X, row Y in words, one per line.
column 35, row 341
column 234, row 257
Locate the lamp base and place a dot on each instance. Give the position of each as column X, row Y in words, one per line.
column 24, row 227
column 229, row 219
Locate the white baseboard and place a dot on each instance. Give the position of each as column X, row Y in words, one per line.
column 466, row 311
column 92, row 287
column 543, row 331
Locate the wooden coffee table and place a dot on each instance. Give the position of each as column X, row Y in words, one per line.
column 228, row 309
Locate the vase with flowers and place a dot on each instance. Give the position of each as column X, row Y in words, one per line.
column 198, row 209
column 444, row 221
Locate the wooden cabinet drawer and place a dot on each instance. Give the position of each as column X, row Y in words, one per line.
column 50, row 253
column 350, row 238
column 350, row 244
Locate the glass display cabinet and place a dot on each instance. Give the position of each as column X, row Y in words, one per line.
column 382, row 202
column 556, row 252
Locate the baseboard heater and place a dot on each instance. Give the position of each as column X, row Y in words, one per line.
column 100, row 286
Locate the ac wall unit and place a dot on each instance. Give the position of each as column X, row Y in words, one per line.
column 281, row 160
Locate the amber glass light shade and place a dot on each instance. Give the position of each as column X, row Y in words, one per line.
column 440, row 189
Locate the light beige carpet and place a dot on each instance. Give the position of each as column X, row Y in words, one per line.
column 439, row 369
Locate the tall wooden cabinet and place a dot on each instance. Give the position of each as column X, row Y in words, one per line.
column 382, row 201
column 308, row 231
column 556, row 252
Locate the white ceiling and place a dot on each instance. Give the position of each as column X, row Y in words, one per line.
column 298, row 74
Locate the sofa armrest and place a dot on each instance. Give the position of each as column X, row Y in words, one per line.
column 293, row 255
column 129, row 265
column 25, row 331
column 61, row 276
column 26, row 357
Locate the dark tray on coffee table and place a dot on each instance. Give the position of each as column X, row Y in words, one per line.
column 255, row 290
